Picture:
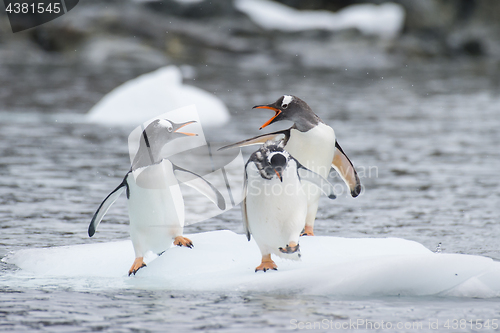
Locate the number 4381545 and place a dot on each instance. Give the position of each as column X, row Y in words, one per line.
column 32, row 8
column 471, row 324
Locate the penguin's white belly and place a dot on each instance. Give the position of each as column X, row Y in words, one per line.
column 276, row 211
column 314, row 149
column 156, row 214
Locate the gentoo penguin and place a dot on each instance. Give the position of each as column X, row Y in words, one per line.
column 274, row 207
column 312, row 143
column 155, row 203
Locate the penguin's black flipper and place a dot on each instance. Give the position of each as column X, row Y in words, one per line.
column 343, row 165
column 318, row 180
column 104, row 207
column 261, row 139
column 200, row 184
column 244, row 206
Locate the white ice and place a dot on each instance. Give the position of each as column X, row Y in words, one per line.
column 152, row 94
column 225, row 261
column 385, row 20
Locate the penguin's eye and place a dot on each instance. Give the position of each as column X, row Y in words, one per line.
column 284, row 106
column 170, row 128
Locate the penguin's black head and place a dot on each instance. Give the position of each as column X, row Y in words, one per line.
column 156, row 135
column 292, row 108
column 162, row 131
column 278, row 160
column 271, row 160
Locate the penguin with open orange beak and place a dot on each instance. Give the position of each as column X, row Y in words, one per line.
column 154, row 198
column 312, row 143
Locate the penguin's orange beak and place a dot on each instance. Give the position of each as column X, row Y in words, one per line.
column 278, row 111
column 185, row 133
column 278, row 173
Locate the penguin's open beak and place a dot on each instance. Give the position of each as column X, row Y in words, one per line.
column 278, row 111
column 278, row 173
column 177, row 127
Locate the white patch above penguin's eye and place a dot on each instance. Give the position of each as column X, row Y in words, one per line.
column 166, row 124
column 287, row 99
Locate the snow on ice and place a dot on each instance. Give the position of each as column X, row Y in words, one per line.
column 225, row 261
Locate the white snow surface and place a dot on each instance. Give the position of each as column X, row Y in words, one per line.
column 385, row 20
column 152, row 94
column 225, row 261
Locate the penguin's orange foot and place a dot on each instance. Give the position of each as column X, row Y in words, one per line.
column 290, row 248
column 183, row 241
column 137, row 265
column 267, row 264
column 308, row 231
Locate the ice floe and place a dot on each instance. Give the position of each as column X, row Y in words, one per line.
column 155, row 93
column 225, row 261
column 385, row 20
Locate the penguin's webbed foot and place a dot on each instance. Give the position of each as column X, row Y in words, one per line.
column 308, row 231
column 266, row 267
column 267, row 264
column 290, row 248
column 183, row 241
column 137, row 265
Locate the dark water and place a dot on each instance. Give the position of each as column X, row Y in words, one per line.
column 424, row 139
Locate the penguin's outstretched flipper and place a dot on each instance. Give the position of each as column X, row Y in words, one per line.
column 200, row 184
column 104, row 207
column 342, row 164
column 261, row 139
column 137, row 265
column 183, row 241
column 318, row 180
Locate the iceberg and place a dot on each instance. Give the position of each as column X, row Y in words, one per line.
column 152, row 94
column 225, row 261
column 385, row 20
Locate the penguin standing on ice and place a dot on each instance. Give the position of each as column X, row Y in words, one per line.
column 312, row 143
column 155, row 202
column 274, row 207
